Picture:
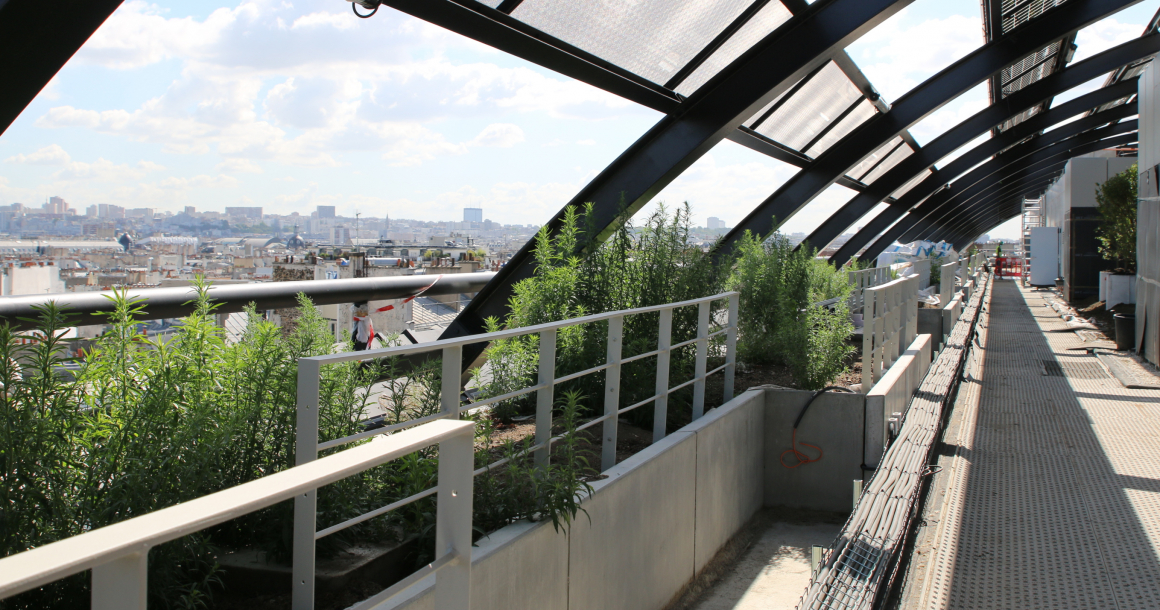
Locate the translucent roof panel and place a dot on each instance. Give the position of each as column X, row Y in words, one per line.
column 652, row 38
column 859, row 115
column 870, row 161
column 1018, row 12
column 813, row 107
column 765, row 21
column 913, row 182
column 892, row 159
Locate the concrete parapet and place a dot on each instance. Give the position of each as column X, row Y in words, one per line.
column 892, row 395
column 833, row 422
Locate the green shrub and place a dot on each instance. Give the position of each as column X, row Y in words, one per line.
column 635, row 267
column 779, row 322
column 1116, row 199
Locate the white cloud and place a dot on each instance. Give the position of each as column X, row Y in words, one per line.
column 1103, row 35
column 103, row 170
column 199, row 181
column 499, row 135
column 896, row 57
column 588, row 142
column 239, row 166
column 52, row 154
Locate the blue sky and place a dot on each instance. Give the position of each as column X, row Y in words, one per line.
column 291, row 105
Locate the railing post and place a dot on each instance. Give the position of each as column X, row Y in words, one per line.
column 611, row 393
column 701, row 365
column 449, row 381
column 305, row 504
column 453, row 519
column 122, row 583
column 661, row 404
column 731, row 347
column 869, row 324
column 545, row 396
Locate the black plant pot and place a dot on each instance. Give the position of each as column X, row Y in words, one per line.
column 1125, row 331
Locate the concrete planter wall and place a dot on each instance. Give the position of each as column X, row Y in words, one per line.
column 655, row 522
column 1120, row 288
column 659, row 517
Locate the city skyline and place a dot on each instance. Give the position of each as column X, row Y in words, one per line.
column 168, row 105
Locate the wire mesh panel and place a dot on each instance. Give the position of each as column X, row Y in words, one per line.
column 652, row 38
column 765, row 21
column 811, row 109
column 849, row 123
column 892, row 159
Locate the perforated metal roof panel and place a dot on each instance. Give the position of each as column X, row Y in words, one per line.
column 652, row 38
column 811, row 109
column 762, row 24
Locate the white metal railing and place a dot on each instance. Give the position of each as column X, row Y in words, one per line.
column 118, row 554
column 861, row 280
column 309, row 371
column 890, row 324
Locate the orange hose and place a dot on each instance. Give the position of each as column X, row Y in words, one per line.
column 802, row 458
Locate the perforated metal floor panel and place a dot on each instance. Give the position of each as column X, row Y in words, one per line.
column 1054, row 500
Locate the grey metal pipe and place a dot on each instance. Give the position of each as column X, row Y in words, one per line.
column 177, row 302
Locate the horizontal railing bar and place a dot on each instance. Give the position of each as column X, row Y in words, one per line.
column 374, row 513
column 42, row 565
column 338, row 442
column 423, row 572
column 502, row 397
column 401, row 350
column 598, row 420
column 571, row 376
column 637, row 405
column 640, row 356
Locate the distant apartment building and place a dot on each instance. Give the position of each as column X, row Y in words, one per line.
column 57, row 206
column 326, row 211
column 146, row 213
column 472, row 214
column 91, row 211
column 247, row 212
column 108, row 210
column 189, row 209
column 340, row 235
column 714, row 223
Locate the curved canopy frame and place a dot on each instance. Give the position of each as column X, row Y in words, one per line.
column 921, row 101
column 1031, row 174
column 958, row 136
column 945, row 197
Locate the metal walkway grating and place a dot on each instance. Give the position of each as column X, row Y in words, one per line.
column 1054, row 500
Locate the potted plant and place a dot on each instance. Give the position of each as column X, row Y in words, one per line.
column 1116, row 199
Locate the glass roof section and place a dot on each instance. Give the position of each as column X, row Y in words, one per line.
column 824, row 99
column 765, row 21
column 913, row 182
column 651, row 38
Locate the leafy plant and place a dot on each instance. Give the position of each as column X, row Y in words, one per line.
column 1116, row 200
column 779, row 319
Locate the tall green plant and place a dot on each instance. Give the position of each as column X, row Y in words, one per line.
column 1116, row 199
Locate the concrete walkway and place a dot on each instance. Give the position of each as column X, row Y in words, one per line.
column 1052, row 496
column 766, row 566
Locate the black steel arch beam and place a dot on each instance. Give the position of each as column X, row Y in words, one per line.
column 800, row 45
column 989, row 178
column 926, row 192
column 497, row 29
column 995, row 212
column 1022, row 177
column 961, row 134
column 1036, row 151
column 924, row 99
column 928, row 216
column 884, row 228
column 36, row 40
